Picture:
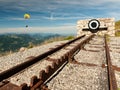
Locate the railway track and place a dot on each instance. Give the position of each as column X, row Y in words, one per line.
column 17, row 68
column 112, row 83
column 89, row 70
column 10, row 72
column 57, row 64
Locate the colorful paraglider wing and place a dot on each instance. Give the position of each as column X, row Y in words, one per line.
column 26, row 16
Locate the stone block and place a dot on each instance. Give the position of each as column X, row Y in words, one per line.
column 104, row 22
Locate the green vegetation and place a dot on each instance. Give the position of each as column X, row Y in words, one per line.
column 117, row 28
column 117, row 33
column 31, row 45
column 53, row 39
column 118, row 88
column 10, row 43
column 59, row 38
column 117, row 25
column 13, row 42
column 69, row 37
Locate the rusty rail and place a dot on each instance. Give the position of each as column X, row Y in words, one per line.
column 38, row 83
column 18, row 68
column 111, row 74
column 50, row 70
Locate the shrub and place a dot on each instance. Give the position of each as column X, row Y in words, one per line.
column 69, row 37
column 117, row 33
column 30, row 45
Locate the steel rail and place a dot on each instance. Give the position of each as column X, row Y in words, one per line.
column 8, row 73
column 112, row 84
column 46, row 75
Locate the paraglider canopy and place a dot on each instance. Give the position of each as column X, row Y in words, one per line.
column 26, row 16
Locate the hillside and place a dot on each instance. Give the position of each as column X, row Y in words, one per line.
column 12, row 42
column 117, row 25
column 117, row 28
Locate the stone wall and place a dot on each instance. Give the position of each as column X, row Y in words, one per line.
column 104, row 22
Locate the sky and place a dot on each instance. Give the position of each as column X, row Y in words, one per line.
column 53, row 16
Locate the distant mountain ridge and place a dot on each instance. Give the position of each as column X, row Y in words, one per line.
column 13, row 41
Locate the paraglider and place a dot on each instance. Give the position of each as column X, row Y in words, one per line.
column 26, row 16
column 26, row 26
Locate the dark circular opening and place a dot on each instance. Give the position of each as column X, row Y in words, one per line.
column 93, row 24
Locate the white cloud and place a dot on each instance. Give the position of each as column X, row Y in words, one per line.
column 87, row 2
column 51, row 5
column 59, row 8
column 54, row 4
column 15, row 19
column 55, row 16
column 67, row 29
column 114, row 14
column 67, row 18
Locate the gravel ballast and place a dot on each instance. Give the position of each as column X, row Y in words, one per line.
column 97, row 58
column 84, row 77
column 79, row 77
column 14, row 59
column 34, row 70
column 25, row 75
column 114, row 45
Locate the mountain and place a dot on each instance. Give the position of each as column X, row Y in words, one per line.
column 13, row 41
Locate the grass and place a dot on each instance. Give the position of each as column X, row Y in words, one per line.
column 117, row 25
column 117, row 33
column 117, row 28
column 69, row 37
column 53, row 40
column 61, row 38
column 31, row 45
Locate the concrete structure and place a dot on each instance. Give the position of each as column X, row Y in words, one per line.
column 108, row 23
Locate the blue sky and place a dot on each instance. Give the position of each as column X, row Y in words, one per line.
column 56, row 16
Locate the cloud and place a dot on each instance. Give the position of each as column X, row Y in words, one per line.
column 56, row 5
column 18, row 19
column 66, row 29
column 68, row 18
column 114, row 14
column 53, row 5
column 65, row 11
column 53, row 16
column 25, row 5
column 88, row 3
